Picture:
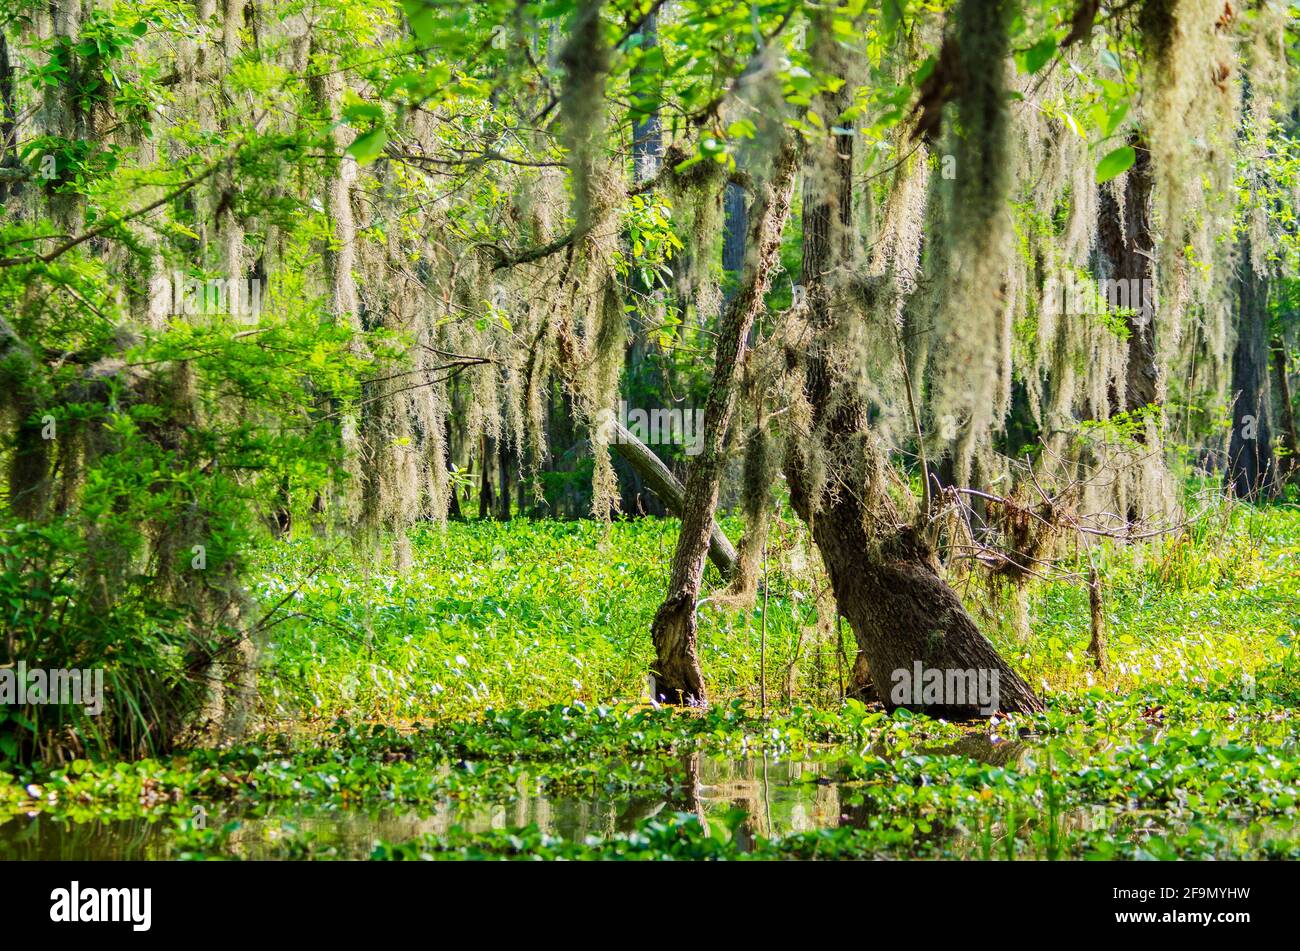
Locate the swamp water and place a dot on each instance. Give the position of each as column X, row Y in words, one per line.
column 740, row 798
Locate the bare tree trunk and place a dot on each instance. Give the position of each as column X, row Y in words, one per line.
column 1286, row 413
column 503, row 477
column 647, row 130
column 677, row 666
column 11, row 169
column 1252, row 469
column 1126, row 244
column 1097, row 646
column 486, row 499
column 453, row 496
column 733, row 236
column 29, row 463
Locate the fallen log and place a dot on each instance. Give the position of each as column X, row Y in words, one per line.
column 670, row 491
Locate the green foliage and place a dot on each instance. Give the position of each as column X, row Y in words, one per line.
column 1115, row 163
column 98, row 552
column 1162, row 772
column 506, row 662
column 1174, row 752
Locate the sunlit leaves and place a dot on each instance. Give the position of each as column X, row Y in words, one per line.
column 1115, row 163
column 1038, row 55
column 368, row 146
column 419, row 14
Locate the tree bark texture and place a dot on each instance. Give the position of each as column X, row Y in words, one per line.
column 887, row 583
column 1286, row 413
column 678, row 678
column 1126, row 244
column 1252, row 468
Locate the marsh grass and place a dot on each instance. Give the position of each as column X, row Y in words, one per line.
column 530, row 613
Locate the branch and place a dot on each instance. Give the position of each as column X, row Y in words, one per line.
column 671, row 492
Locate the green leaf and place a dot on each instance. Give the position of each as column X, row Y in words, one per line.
column 356, row 112
column 367, row 147
column 1115, row 117
column 1040, row 54
column 1115, row 162
column 420, row 16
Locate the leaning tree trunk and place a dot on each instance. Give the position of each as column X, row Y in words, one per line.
column 886, row 581
column 1252, row 469
column 678, row 678
column 888, row 588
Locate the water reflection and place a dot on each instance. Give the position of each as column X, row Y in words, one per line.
column 776, row 796
column 745, row 798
